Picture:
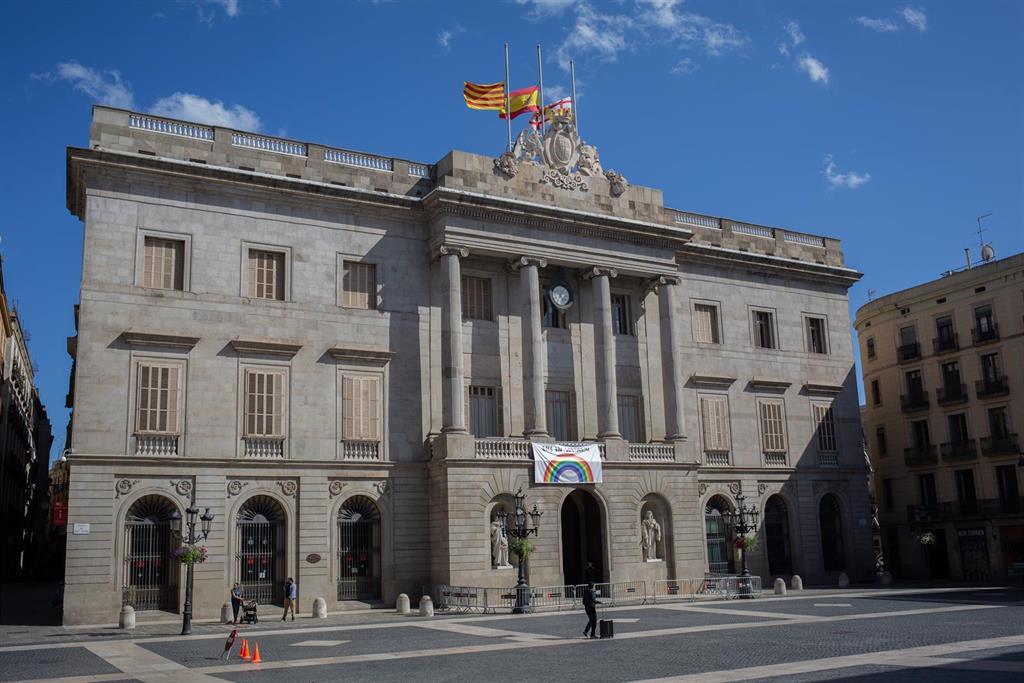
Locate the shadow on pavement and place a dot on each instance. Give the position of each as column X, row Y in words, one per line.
column 29, row 604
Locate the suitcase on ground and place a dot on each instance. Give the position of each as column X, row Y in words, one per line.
column 606, row 628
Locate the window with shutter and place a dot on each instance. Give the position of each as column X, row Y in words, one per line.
column 484, row 411
column 630, row 419
column 705, row 324
column 476, row 298
column 359, row 285
column 825, row 427
column 266, row 274
column 157, row 403
column 560, row 415
column 264, row 403
column 163, row 263
column 714, row 417
column 773, row 436
column 361, row 407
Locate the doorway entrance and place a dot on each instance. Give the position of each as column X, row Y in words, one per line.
column 582, row 539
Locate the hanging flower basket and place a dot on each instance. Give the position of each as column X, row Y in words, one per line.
column 190, row 555
column 746, row 543
column 926, row 538
column 521, row 548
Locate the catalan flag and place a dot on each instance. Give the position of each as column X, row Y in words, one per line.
column 490, row 96
column 521, row 102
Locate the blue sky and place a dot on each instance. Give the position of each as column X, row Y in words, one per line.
column 886, row 124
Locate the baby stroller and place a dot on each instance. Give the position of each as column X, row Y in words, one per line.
column 249, row 612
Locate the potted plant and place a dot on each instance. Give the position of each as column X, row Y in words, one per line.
column 521, row 548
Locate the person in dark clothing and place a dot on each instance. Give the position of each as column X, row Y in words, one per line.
column 590, row 603
column 236, row 600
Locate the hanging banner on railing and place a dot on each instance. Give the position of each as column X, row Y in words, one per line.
column 561, row 463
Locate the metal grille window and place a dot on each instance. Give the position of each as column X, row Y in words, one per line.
column 163, row 263
column 485, row 411
column 266, row 274
column 360, row 407
column 773, row 432
column 157, row 403
column 359, row 285
column 630, row 419
column 816, row 342
column 705, row 324
column 764, row 330
column 264, row 403
column 359, row 541
column 476, row 298
column 622, row 323
column 871, row 347
column 150, row 573
column 560, row 415
column 718, row 536
column 714, row 420
column 261, row 550
column 825, row 426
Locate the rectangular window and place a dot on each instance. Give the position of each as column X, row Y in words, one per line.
column 915, row 384
column 266, row 274
column 926, row 488
column 714, row 419
column 951, row 376
column 1006, row 483
column 361, row 408
column 998, row 422
column 157, row 403
column 359, row 285
column 825, row 427
column 883, row 446
column 705, row 324
column 630, row 418
column 871, row 348
column 876, row 393
column 773, row 430
column 622, row 323
column 919, row 434
column 908, row 335
column 264, row 403
column 164, row 263
column 816, row 342
column 957, row 427
column 764, row 331
column 560, row 415
column 887, row 492
column 983, row 320
column 476, row 298
column 944, row 333
column 965, row 492
column 990, row 368
column 485, row 411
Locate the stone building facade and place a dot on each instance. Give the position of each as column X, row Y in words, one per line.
column 346, row 356
column 943, row 366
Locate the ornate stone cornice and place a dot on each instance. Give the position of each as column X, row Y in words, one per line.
column 264, row 347
column 716, row 381
column 591, row 273
column 821, row 387
column 820, row 272
column 522, row 261
column 770, row 383
column 141, row 339
column 361, row 355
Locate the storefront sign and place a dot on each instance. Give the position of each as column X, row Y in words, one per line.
column 59, row 513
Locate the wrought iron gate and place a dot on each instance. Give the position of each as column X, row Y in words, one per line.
column 261, row 551
column 358, row 550
column 719, row 552
column 150, row 572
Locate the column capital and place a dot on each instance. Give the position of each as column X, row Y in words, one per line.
column 655, row 283
column 523, row 261
column 451, row 250
column 597, row 271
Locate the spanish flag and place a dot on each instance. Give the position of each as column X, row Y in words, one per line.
column 521, row 101
column 490, row 96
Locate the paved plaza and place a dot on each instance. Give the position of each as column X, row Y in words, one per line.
column 948, row 634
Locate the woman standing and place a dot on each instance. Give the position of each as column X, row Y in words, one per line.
column 236, row 600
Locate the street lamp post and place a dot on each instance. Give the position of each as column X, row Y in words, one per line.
column 207, row 520
column 743, row 520
column 520, row 530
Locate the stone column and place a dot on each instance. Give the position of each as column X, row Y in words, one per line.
column 667, row 301
column 604, row 348
column 533, row 346
column 454, row 419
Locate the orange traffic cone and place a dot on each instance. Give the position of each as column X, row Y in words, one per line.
column 256, row 654
column 244, row 654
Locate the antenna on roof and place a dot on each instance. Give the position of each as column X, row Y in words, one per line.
column 987, row 252
column 981, row 242
column 871, row 294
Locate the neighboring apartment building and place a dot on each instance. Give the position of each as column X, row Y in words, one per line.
column 943, row 367
column 344, row 357
column 24, row 449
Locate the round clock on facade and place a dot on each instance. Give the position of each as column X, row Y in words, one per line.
column 560, row 295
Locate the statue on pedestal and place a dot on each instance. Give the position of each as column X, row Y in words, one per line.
column 650, row 535
column 499, row 546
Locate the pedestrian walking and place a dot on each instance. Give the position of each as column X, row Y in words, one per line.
column 236, row 600
column 291, row 594
column 590, row 603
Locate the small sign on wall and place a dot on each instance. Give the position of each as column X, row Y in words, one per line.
column 312, row 558
column 79, row 529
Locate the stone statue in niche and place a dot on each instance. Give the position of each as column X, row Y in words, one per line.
column 650, row 536
column 499, row 546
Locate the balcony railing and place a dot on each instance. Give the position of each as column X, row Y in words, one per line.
column 652, row 452
column 775, row 458
column 156, row 444
column 953, row 392
column 716, row 458
column 986, row 508
column 503, row 449
column 360, row 450
column 920, row 455
column 828, row 459
column 986, row 336
column 914, row 401
column 1000, row 445
column 959, row 450
column 945, row 343
column 992, row 387
column 264, row 447
column 909, row 352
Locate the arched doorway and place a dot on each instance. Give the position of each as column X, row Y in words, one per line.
column 719, row 536
column 150, row 572
column 830, row 519
column 776, row 532
column 358, row 550
column 582, row 539
column 261, row 550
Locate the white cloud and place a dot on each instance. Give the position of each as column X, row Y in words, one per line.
column 685, row 67
column 689, row 29
column 230, row 6
column 814, row 68
column 850, row 179
column 444, row 38
column 878, row 25
column 541, row 8
column 796, row 36
column 602, row 34
column 105, row 87
column 183, row 105
column 916, row 17
column 555, row 92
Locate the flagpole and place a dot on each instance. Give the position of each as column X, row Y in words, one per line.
column 540, row 76
column 508, row 106
column 575, row 105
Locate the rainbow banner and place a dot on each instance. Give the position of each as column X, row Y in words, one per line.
column 564, row 463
